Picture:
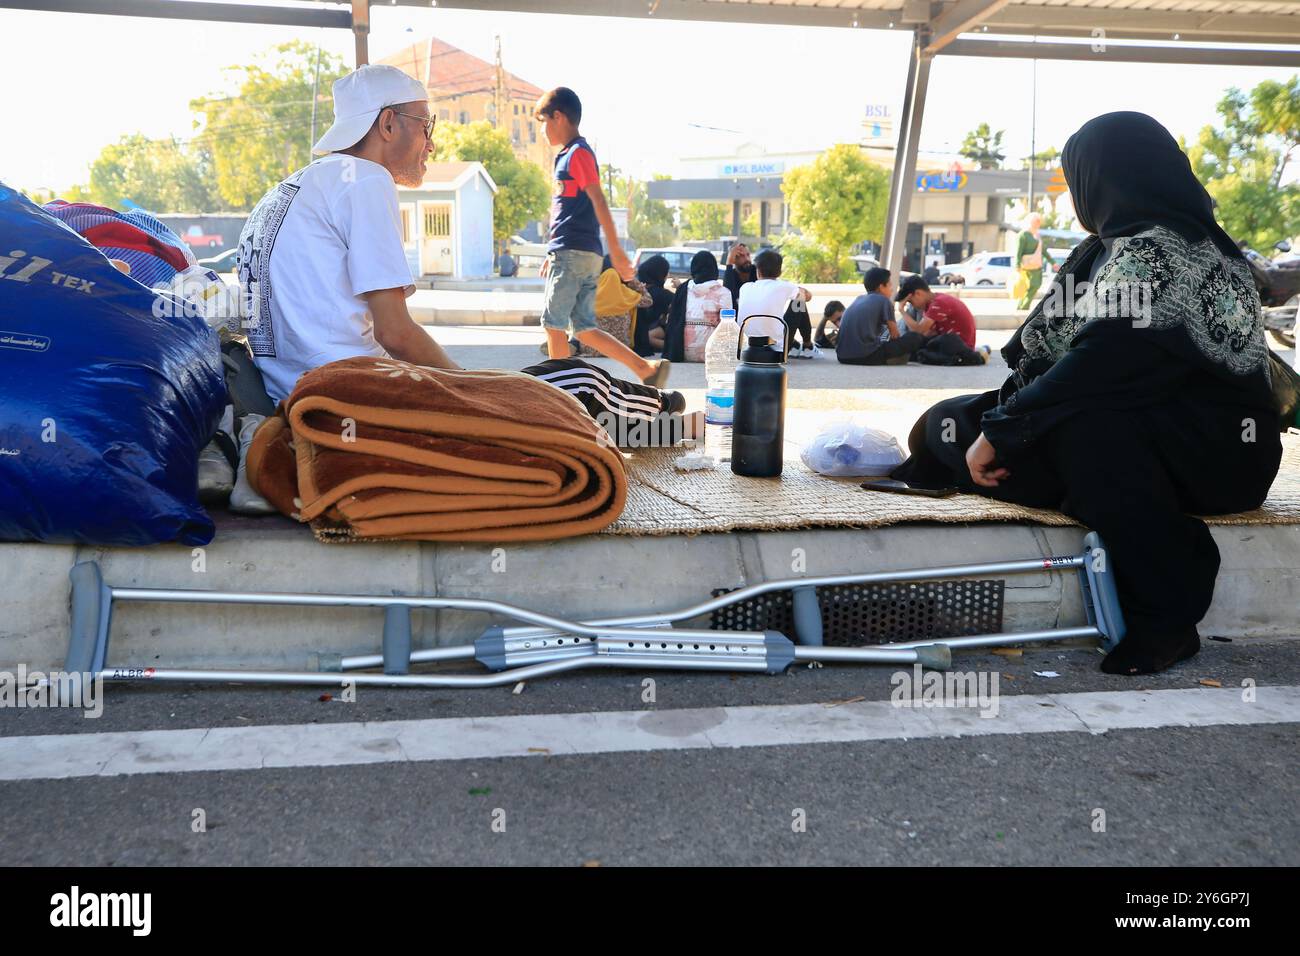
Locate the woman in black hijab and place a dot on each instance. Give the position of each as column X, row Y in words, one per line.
column 704, row 268
column 648, row 334
column 1140, row 389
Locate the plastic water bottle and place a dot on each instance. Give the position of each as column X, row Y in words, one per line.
column 721, row 357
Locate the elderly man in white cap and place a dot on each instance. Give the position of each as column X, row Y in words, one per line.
column 321, row 264
column 324, row 276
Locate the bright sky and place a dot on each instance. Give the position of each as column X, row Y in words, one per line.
column 75, row 82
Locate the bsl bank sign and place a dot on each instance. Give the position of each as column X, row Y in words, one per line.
column 771, row 167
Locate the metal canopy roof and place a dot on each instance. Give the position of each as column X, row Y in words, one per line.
column 1216, row 21
column 1193, row 22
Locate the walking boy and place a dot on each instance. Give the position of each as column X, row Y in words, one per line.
column 573, row 260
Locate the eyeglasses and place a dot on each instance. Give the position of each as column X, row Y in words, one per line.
column 428, row 121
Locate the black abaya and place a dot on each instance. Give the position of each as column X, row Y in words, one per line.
column 1130, row 427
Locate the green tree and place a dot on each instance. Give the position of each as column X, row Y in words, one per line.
column 1243, row 162
column 806, row 260
column 983, row 147
column 159, row 175
column 615, row 185
column 522, row 191
column 1045, row 158
column 262, row 133
column 649, row 221
column 705, row 220
column 838, row 201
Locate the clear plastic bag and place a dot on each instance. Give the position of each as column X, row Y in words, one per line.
column 846, row 449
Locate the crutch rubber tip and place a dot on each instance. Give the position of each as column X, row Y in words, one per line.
column 937, row 657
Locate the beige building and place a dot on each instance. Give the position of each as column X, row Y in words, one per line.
column 464, row 89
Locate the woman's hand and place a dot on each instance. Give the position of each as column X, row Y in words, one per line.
column 979, row 459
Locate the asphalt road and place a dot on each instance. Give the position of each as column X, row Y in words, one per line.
column 1203, row 795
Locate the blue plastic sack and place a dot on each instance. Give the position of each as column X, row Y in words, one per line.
column 108, row 391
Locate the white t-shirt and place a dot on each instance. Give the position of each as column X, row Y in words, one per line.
column 310, row 248
column 765, row 297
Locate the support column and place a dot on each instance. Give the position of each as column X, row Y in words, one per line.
column 965, row 225
column 762, row 218
column 903, row 184
column 361, row 30
column 735, row 217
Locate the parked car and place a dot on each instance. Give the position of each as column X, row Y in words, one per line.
column 529, row 255
column 196, row 238
column 981, row 269
column 679, row 260
column 864, row 263
column 222, row 263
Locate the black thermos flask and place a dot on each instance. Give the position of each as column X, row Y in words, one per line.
column 758, row 427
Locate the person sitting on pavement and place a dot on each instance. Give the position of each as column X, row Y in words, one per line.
column 828, row 329
column 1140, row 392
column 931, row 274
column 944, row 320
column 740, row 270
column 868, row 333
column 696, row 310
column 648, row 333
column 774, row 307
column 321, row 265
column 507, row 266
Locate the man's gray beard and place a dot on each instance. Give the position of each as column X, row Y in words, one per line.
column 409, row 176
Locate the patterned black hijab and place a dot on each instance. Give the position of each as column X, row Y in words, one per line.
column 1127, row 174
column 1131, row 183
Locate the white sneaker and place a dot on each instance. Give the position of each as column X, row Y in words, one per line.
column 244, row 500
column 817, row 353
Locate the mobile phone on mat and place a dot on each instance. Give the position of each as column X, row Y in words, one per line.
column 903, row 488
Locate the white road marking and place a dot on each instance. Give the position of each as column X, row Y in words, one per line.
column 60, row 756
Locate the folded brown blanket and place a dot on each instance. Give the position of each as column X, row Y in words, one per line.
column 373, row 448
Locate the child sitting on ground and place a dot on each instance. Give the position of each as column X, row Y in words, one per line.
column 828, row 329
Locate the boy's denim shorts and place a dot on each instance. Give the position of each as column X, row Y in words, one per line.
column 571, row 291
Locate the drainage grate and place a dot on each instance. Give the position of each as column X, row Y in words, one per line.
column 854, row 615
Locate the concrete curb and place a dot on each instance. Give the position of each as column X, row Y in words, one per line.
column 1257, row 595
column 452, row 317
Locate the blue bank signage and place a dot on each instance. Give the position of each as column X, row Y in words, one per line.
column 755, row 168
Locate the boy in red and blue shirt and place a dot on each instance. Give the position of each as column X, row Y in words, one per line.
column 573, row 261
